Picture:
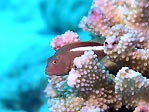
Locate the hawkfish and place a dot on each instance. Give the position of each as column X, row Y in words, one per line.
column 62, row 61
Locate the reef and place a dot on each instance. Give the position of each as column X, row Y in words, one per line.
column 118, row 79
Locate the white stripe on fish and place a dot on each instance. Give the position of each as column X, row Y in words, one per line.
column 94, row 48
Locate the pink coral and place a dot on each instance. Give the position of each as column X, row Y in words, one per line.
column 111, row 10
column 138, row 17
column 64, row 39
column 93, row 86
column 133, row 14
column 96, row 22
column 123, row 46
column 142, row 108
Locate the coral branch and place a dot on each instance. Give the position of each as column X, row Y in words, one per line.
column 64, row 39
column 110, row 10
column 138, row 17
column 142, row 108
column 124, row 45
column 92, row 81
column 96, row 22
column 131, row 88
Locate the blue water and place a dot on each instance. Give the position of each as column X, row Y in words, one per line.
column 25, row 36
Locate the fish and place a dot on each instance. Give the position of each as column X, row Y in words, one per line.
column 62, row 61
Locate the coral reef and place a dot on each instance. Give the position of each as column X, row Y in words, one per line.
column 131, row 88
column 84, row 85
column 128, row 48
column 133, row 14
column 118, row 79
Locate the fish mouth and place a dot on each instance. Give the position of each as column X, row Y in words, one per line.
column 48, row 73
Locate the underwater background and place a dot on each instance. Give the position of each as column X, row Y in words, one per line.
column 26, row 29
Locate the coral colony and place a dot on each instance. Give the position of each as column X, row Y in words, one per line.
column 118, row 80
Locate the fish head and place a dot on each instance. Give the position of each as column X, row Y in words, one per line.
column 57, row 65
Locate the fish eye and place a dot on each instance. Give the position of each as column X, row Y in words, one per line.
column 54, row 62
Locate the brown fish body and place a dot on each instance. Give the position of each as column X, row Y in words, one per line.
column 62, row 62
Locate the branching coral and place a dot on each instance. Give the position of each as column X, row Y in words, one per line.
column 69, row 104
column 119, row 79
column 142, row 108
column 88, row 83
column 66, row 38
column 133, row 14
column 125, row 30
column 91, row 23
column 138, row 17
column 131, row 88
column 124, row 45
column 111, row 10
column 61, row 96
column 92, row 81
column 89, row 86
